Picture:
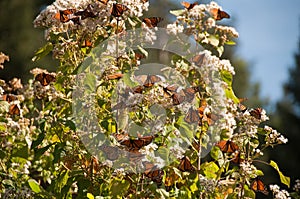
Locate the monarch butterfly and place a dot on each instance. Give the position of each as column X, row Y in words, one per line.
column 227, row 146
column 256, row 113
column 44, row 78
column 170, row 90
column 104, row 1
column 192, row 116
column 9, row 97
column 199, row 59
column 185, row 164
column 258, row 186
column 240, row 106
column 154, row 172
column 151, row 80
column 64, row 15
column 177, row 98
column 115, row 76
column 208, row 117
column 14, row 109
column 138, row 89
column 237, row 158
column 188, row 5
column 144, row 1
column 118, row 9
column 86, row 43
column 111, row 153
column 218, row 14
column 86, row 13
column 139, row 56
column 137, row 144
column 135, row 156
column 152, row 21
column 190, row 93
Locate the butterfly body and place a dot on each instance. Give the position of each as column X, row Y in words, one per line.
column 152, row 21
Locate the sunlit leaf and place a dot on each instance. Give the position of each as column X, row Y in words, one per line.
column 284, row 179
column 177, row 12
column 210, row 169
column 43, row 51
column 90, row 196
column 35, row 187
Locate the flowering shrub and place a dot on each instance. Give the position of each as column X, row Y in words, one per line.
column 97, row 128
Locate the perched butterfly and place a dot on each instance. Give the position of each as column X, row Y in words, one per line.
column 240, row 106
column 256, row 113
column 111, row 153
column 151, row 80
column 188, row 5
column 118, row 9
column 86, row 43
column 115, row 76
column 185, row 164
column 136, row 144
column 192, row 116
column 218, row 14
column 14, row 109
column 152, row 171
column 237, row 158
column 44, row 78
column 177, row 98
column 104, row 1
column 65, row 15
column 152, row 21
column 9, row 97
column 199, row 59
column 138, row 89
column 139, row 56
column 258, row 186
column 144, row 1
column 190, row 93
column 170, row 90
column 170, row 180
column 86, row 13
column 227, row 146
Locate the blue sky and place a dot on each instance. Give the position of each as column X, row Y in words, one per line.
column 269, row 31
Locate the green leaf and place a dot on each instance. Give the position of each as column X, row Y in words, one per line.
column 90, row 196
column 213, row 40
column 90, row 82
column 177, row 12
column 284, row 179
column 35, row 187
column 230, row 43
column 61, row 181
column 210, row 169
column 226, row 77
column 43, row 51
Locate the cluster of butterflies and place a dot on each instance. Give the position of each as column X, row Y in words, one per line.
column 117, row 10
column 227, row 146
column 216, row 13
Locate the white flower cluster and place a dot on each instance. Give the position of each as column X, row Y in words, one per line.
column 279, row 194
column 174, row 28
column 199, row 21
column 248, row 169
column 297, row 185
column 274, row 137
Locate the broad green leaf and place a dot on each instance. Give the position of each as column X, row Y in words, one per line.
column 90, row 82
column 193, row 187
column 2, row 127
column 35, row 187
column 226, row 77
column 216, row 153
column 43, row 51
column 210, row 169
column 284, row 179
column 230, row 94
column 61, row 181
column 177, row 12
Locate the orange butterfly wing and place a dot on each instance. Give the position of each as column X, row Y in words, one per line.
column 152, row 21
column 14, row 109
column 192, row 116
column 188, row 5
column 151, row 80
column 185, row 165
column 218, row 14
column 118, row 9
column 258, row 186
column 227, row 146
